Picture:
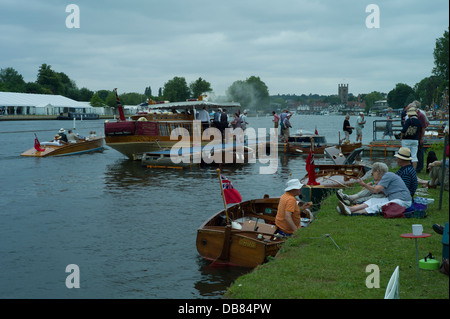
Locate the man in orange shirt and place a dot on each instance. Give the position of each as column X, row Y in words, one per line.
column 288, row 214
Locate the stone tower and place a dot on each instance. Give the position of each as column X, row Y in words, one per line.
column 343, row 92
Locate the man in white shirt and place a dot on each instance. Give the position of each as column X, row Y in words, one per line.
column 203, row 116
column 243, row 118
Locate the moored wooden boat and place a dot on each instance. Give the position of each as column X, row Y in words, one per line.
column 90, row 144
column 225, row 155
column 300, row 143
column 331, row 178
column 247, row 239
column 348, row 148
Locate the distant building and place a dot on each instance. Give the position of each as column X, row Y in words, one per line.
column 380, row 105
column 343, row 92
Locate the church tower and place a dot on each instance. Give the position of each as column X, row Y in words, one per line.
column 343, row 92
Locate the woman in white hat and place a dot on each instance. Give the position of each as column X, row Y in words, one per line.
column 288, row 213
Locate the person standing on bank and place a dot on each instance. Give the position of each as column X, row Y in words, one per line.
column 359, row 126
column 348, row 129
column 388, row 129
column 411, row 134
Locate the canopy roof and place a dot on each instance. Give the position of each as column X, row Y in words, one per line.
column 38, row 100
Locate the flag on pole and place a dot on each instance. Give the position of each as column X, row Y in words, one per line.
column 119, row 106
column 229, row 192
column 37, row 144
column 316, row 132
column 311, row 169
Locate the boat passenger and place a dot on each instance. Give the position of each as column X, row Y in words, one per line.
column 56, row 141
column 216, row 120
column 63, row 135
column 275, row 120
column 288, row 212
column 389, row 183
column 406, row 172
column 72, row 137
column 203, row 116
column 243, row 118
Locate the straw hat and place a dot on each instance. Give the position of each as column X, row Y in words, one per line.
column 404, row 153
column 57, row 137
column 61, row 130
column 412, row 111
column 293, row 184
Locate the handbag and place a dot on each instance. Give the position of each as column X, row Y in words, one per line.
column 444, row 267
column 393, row 210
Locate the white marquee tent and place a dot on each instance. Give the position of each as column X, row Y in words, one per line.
column 42, row 104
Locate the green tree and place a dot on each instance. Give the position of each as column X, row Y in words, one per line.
column 132, row 98
column 427, row 89
column 96, row 101
column 371, row 98
column 199, row 86
column 49, row 79
column 251, row 93
column 148, row 92
column 441, row 58
column 11, row 81
column 399, row 96
column 176, row 90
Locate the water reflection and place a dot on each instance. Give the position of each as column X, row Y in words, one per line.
column 215, row 279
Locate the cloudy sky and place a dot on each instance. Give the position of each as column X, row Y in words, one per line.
column 294, row 46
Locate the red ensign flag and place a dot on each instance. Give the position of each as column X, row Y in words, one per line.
column 229, row 192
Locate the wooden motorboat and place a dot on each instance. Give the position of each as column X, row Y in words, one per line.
column 246, row 238
column 348, row 148
column 188, row 158
column 86, row 145
column 151, row 130
column 300, row 143
column 300, row 149
column 331, row 177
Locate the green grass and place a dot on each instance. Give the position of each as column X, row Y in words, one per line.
column 314, row 268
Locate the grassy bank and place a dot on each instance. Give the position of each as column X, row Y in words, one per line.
column 309, row 266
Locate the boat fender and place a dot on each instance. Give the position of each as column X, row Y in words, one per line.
column 236, row 225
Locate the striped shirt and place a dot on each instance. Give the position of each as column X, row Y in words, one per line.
column 409, row 176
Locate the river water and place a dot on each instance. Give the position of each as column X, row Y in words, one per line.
column 130, row 230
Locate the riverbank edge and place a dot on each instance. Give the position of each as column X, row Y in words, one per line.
column 42, row 117
column 311, row 266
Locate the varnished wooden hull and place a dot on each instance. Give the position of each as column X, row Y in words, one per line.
column 85, row 146
column 241, row 247
column 346, row 149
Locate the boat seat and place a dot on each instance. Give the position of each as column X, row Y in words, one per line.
column 250, row 225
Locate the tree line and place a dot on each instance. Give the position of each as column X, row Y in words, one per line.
column 252, row 93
